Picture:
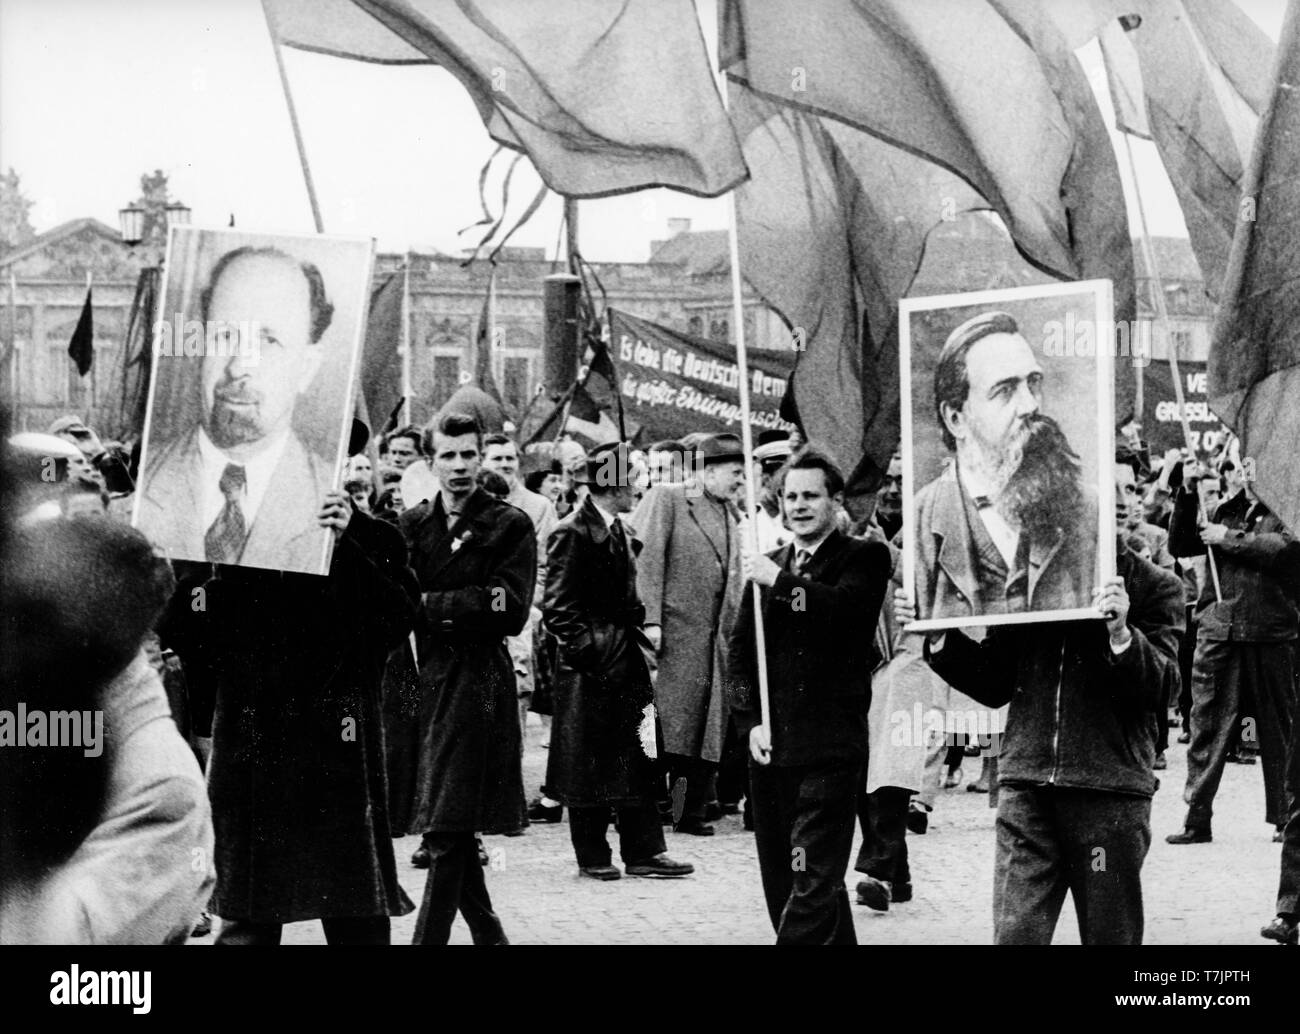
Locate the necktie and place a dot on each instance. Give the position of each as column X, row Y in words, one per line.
column 224, row 541
column 801, row 559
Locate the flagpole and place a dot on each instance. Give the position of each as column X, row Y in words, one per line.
column 293, row 117
column 746, row 432
column 15, row 370
column 1171, row 347
column 406, row 341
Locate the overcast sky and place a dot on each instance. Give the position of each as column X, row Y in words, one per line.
column 93, row 93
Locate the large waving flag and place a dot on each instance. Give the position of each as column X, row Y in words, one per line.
column 971, row 86
column 832, row 228
column 605, row 96
column 903, row 119
column 1193, row 76
column 1254, row 368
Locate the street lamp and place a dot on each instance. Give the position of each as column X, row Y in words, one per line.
column 178, row 214
column 131, row 222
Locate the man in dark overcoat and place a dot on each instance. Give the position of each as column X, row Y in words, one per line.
column 296, row 776
column 475, row 557
column 602, row 683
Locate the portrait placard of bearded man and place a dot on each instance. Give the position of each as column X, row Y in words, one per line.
column 1010, row 525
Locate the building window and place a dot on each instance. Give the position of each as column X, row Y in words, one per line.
column 695, row 327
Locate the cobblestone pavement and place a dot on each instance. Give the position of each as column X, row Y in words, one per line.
column 1218, row 893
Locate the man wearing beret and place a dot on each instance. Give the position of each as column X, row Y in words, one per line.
column 688, row 579
column 597, row 760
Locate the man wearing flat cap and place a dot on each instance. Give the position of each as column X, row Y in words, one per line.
column 1008, row 526
column 688, row 579
column 597, row 760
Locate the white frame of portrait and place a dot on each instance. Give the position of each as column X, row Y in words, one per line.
column 1104, row 309
column 356, row 337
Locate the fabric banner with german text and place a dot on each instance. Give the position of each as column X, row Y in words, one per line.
column 673, row 384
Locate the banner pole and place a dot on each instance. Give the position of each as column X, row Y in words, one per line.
column 1171, row 347
column 746, row 432
column 406, row 341
column 293, row 117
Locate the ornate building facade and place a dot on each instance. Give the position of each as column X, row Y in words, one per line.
column 686, row 286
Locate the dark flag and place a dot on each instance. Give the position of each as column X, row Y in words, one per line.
column 852, row 167
column 604, row 98
column 381, row 360
column 82, row 346
column 483, row 343
column 982, row 90
column 1192, row 75
column 1254, row 366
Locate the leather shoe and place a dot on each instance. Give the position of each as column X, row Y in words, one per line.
column 660, row 866
column 539, row 812
column 1190, row 836
column 1282, row 930
column 203, row 926
column 1184, row 737
column 421, row 857
column 900, row 893
column 1160, row 763
column 1238, row 758
column 694, row 827
column 918, row 818
column 601, row 872
column 874, row 893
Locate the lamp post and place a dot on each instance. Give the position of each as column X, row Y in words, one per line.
column 136, row 230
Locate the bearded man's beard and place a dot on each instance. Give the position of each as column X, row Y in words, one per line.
column 235, row 417
column 1042, row 494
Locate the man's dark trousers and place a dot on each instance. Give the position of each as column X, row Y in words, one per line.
column 698, row 779
column 803, row 822
column 1288, row 891
column 1230, row 679
column 1054, row 839
column 883, row 818
column 640, row 834
column 455, row 882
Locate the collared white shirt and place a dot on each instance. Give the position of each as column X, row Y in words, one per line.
column 258, row 471
column 1004, row 536
column 608, row 518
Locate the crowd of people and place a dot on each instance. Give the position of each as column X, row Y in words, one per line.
column 283, row 729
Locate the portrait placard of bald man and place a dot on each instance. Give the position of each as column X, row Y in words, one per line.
column 1008, row 509
column 255, row 358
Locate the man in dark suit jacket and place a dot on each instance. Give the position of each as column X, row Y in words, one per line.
column 821, row 598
